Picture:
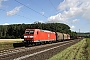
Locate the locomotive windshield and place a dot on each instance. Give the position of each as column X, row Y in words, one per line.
column 26, row 32
column 29, row 32
column 32, row 32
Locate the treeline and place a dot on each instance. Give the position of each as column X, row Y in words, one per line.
column 87, row 35
column 17, row 30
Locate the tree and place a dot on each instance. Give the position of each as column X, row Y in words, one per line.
column 17, row 30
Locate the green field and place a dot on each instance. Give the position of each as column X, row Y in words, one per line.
column 78, row 51
column 7, row 44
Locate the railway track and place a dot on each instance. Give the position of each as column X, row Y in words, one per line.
column 27, row 52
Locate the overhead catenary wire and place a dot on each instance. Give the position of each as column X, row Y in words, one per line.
column 19, row 15
column 52, row 5
column 30, row 8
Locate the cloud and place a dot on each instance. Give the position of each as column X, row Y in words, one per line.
column 1, row 2
column 41, row 21
column 42, row 13
column 14, row 11
column 57, row 18
column 71, row 8
column 5, row 24
column 75, row 21
column 72, row 27
column 87, row 14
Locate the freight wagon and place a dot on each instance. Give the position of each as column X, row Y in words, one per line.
column 62, row 36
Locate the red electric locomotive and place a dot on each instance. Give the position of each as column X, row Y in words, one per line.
column 38, row 35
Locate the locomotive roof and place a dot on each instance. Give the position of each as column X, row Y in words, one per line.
column 41, row 30
column 45, row 31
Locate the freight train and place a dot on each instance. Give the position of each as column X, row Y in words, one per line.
column 39, row 36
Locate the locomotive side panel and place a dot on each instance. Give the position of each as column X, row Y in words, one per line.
column 52, row 36
column 45, row 36
column 42, row 36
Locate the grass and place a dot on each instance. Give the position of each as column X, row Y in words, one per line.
column 75, row 52
column 88, row 48
column 8, row 44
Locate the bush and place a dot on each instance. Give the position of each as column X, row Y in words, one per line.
column 7, row 37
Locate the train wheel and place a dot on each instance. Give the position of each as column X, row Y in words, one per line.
column 50, row 42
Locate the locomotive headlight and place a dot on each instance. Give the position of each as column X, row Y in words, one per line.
column 28, row 36
column 25, row 36
column 31, row 36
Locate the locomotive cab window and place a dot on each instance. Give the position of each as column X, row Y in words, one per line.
column 29, row 32
column 32, row 32
column 26, row 32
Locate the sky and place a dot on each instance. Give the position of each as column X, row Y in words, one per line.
column 74, row 13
